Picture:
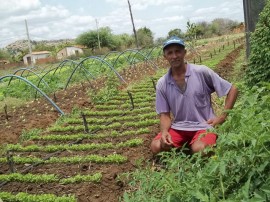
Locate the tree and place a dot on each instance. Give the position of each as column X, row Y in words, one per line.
column 88, row 39
column 4, row 55
column 160, row 40
column 175, row 32
column 107, row 39
column 127, row 40
column 203, row 29
column 191, row 33
column 145, row 37
column 223, row 25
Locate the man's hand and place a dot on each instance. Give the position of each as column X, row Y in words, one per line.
column 216, row 121
column 166, row 140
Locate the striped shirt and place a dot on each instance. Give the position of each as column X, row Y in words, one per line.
column 193, row 107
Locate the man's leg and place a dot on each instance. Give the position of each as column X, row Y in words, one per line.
column 157, row 148
column 177, row 137
column 201, row 140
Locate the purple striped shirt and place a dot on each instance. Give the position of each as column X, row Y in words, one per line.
column 191, row 108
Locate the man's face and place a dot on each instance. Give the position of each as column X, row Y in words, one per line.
column 175, row 55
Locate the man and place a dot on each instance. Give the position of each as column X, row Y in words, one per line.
column 185, row 91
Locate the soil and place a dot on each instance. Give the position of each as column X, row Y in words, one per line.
column 38, row 114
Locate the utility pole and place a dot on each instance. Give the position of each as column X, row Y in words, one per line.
column 134, row 30
column 98, row 34
column 29, row 43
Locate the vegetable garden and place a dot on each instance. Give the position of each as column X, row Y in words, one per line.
column 89, row 153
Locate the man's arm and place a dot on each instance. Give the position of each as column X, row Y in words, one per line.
column 229, row 103
column 165, row 125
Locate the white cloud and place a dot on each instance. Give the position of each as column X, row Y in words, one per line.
column 169, row 19
column 78, row 20
column 55, row 21
column 16, row 5
column 232, row 10
column 177, row 8
column 143, row 4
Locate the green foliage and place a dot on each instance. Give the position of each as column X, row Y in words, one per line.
column 4, row 54
column 75, row 147
column 107, row 39
column 25, row 197
column 17, row 177
column 118, row 112
column 127, row 41
column 113, row 158
column 176, row 32
column 110, row 89
column 259, row 67
column 27, row 135
column 191, row 33
column 112, row 133
column 145, row 37
column 112, row 119
column 82, row 178
column 238, row 171
column 49, row 178
column 88, row 39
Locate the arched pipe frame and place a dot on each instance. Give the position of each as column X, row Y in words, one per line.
column 132, row 61
column 29, row 70
column 155, row 47
column 73, row 63
column 63, row 63
column 40, row 91
column 116, row 52
column 99, row 59
column 55, row 69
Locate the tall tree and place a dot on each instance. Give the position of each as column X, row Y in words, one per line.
column 191, row 34
column 223, row 25
column 90, row 38
column 175, row 32
column 4, row 55
column 145, row 37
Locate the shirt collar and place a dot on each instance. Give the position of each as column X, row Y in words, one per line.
column 170, row 78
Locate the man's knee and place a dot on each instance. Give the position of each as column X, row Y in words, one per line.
column 198, row 146
column 155, row 146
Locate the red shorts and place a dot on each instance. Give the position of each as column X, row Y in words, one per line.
column 180, row 137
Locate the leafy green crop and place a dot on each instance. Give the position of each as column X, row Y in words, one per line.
column 91, row 136
column 23, row 197
column 49, row 178
column 113, row 158
column 259, row 67
column 74, row 147
column 238, row 171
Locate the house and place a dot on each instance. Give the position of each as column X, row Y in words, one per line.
column 35, row 57
column 69, row 51
column 3, row 62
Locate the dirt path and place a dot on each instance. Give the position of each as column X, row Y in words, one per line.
column 225, row 67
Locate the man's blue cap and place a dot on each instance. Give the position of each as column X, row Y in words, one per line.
column 173, row 40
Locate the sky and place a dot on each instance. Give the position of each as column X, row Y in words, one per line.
column 66, row 19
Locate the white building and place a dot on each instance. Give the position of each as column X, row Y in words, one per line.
column 69, row 51
column 35, row 57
